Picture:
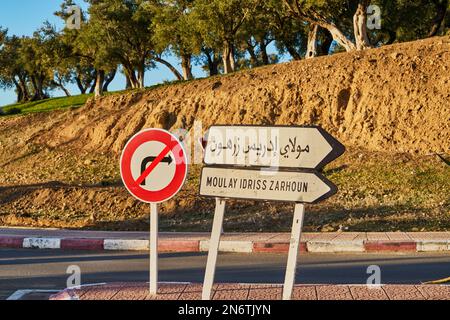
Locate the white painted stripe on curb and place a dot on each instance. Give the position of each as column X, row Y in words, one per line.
column 432, row 246
column 126, row 245
column 335, row 246
column 42, row 243
column 229, row 246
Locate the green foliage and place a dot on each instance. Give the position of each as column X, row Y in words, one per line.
column 221, row 20
column 174, row 27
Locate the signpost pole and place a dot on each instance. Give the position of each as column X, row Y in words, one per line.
column 213, row 249
column 293, row 251
column 153, row 249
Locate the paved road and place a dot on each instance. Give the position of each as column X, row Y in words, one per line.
column 46, row 270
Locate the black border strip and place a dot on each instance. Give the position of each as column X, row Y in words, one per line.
column 338, row 149
column 332, row 192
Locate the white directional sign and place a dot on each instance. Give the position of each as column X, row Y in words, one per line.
column 279, row 146
column 277, row 163
column 299, row 187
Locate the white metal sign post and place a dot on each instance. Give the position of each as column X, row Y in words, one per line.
column 154, row 248
column 294, row 245
column 214, row 244
column 153, row 167
column 277, row 163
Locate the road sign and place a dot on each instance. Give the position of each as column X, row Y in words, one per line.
column 296, row 147
column 153, row 166
column 289, row 186
column 277, row 163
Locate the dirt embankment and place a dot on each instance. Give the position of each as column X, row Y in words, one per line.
column 396, row 98
column 389, row 106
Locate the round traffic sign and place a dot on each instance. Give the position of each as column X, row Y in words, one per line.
column 153, row 166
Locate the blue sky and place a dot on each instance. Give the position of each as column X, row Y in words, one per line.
column 23, row 17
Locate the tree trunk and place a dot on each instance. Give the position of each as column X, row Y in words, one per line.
column 94, row 84
column 40, row 83
column 326, row 42
column 227, row 58
column 186, row 66
column 253, row 57
column 441, row 11
column 339, row 37
column 23, row 87
column 215, row 65
column 37, row 89
column 60, row 85
column 109, row 78
column 313, row 17
column 80, row 85
column 128, row 82
column 360, row 26
column 131, row 75
column 311, row 51
column 99, row 83
column 19, row 91
column 264, row 56
column 292, row 51
column 63, row 88
column 213, row 61
column 140, row 78
column 170, row 66
column 232, row 59
column 141, row 75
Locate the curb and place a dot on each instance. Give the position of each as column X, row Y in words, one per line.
column 192, row 246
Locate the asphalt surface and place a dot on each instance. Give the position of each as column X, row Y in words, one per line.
column 46, row 269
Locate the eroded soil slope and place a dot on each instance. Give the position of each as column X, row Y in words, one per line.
column 392, row 99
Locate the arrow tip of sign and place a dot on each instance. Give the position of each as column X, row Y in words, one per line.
column 338, row 149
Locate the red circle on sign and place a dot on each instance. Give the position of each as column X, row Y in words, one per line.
column 176, row 148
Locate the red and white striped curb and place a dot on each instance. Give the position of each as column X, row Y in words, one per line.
column 236, row 246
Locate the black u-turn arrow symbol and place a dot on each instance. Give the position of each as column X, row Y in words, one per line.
column 148, row 160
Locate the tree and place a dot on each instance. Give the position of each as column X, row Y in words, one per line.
column 3, row 35
column 211, row 60
column 82, row 71
column 59, row 57
column 91, row 45
column 12, row 73
column 219, row 22
column 36, row 62
column 441, row 8
column 326, row 13
column 124, row 29
column 408, row 20
column 256, row 36
column 174, row 30
column 289, row 33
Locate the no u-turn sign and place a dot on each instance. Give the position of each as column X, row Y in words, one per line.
column 153, row 166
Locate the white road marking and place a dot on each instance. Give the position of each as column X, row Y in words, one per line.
column 19, row 294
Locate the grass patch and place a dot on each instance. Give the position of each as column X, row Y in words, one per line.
column 46, row 105
column 59, row 103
